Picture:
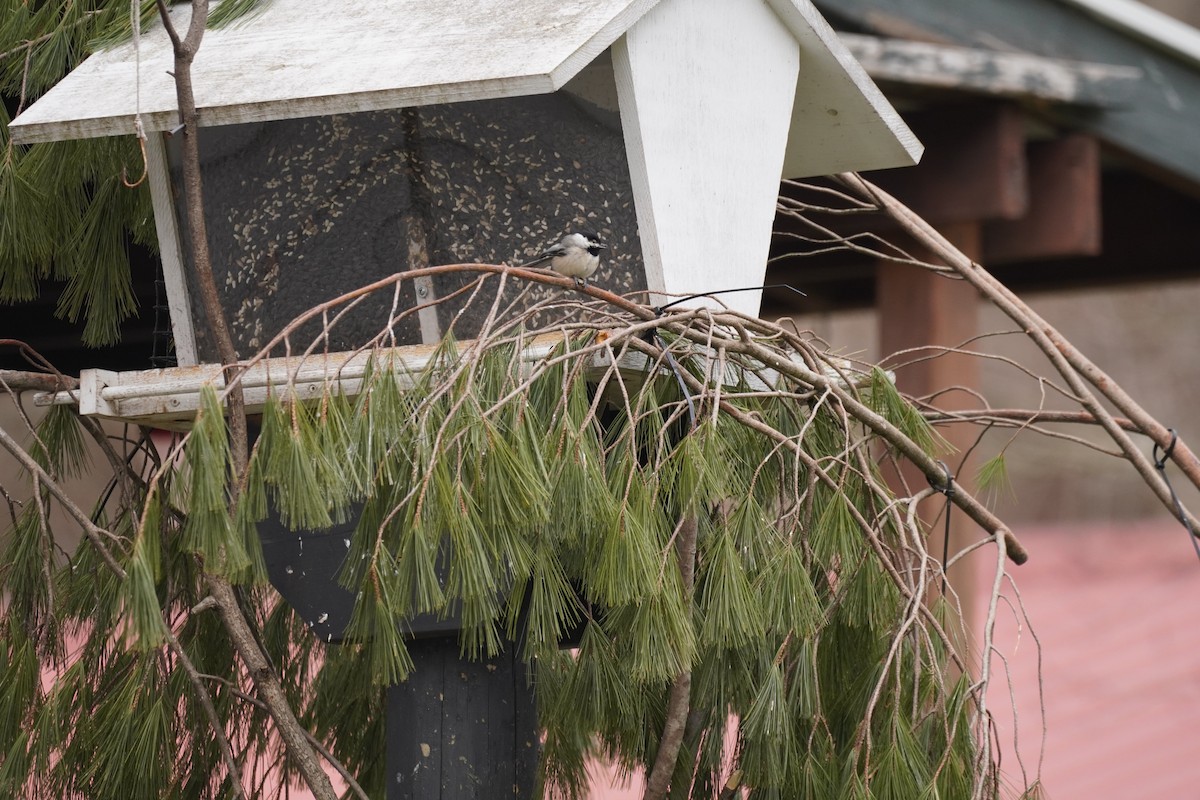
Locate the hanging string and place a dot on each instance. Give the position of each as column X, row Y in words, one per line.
column 660, row 309
column 947, row 488
column 1160, row 464
column 135, row 19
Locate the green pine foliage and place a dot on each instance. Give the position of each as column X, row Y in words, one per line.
column 531, row 505
column 66, row 214
column 528, row 503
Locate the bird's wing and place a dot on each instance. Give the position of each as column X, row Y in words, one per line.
column 537, row 262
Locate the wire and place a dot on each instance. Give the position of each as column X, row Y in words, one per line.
column 661, row 309
column 1160, row 464
column 947, row 489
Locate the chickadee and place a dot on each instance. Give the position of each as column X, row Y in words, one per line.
column 576, row 255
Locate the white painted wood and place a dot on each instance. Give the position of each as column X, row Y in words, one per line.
column 705, row 90
column 170, row 245
column 169, row 398
column 90, row 392
column 992, row 72
column 840, row 119
column 296, row 58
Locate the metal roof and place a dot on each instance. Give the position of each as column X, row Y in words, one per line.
column 1143, row 22
column 1156, row 126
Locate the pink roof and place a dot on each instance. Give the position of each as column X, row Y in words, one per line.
column 1114, row 606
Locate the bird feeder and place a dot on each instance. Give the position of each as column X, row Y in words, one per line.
column 344, row 142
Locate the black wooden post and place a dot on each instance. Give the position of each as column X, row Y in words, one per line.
column 461, row 730
column 456, row 729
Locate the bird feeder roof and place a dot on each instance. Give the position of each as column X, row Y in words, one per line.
column 294, row 58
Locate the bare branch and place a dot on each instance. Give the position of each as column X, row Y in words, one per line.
column 1075, row 368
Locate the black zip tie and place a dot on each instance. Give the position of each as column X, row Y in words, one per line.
column 947, row 488
column 660, row 309
column 1160, row 464
column 652, row 337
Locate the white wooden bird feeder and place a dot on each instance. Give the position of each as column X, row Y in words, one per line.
column 710, row 104
column 334, row 131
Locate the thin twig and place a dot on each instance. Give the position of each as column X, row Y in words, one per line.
column 232, row 771
column 659, row 780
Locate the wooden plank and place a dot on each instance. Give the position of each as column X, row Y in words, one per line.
column 459, row 729
column 1158, row 125
column 1148, row 235
column 974, row 168
column 415, row 724
column 1064, row 216
column 170, row 397
column 840, row 119
column 993, row 73
column 309, row 59
column 170, row 246
column 690, row 75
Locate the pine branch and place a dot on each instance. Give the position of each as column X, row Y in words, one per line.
column 29, row 44
column 314, row 741
column 745, row 344
column 730, row 789
column 265, row 679
column 1024, row 416
column 94, row 533
column 232, row 770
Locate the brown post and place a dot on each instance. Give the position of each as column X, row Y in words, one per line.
column 919, row 308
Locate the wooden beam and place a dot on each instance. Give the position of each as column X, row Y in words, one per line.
column 1147, row 235
column 1064, row 215
column 917, row 309
column 993, row 73
column 974, row 167
column 170, row 248
column 169, row 398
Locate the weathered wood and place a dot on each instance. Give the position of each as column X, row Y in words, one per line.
column 170, row 247
column 295, row 59
column 690, row 75
column 1064, row 216
column 993, row 73
column 170, row 397
column 974, row 168
column 1140, row 21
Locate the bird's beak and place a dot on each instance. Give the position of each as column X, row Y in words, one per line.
column 601, row 245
